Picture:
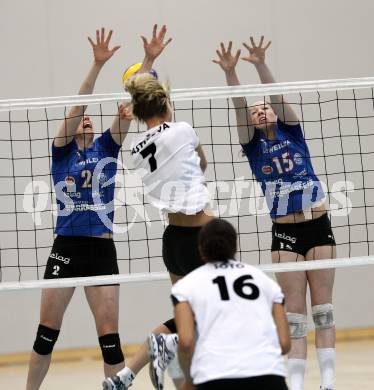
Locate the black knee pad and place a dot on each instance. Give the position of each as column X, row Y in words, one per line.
column 171, row 325
column 110, row 345
column 45, row 340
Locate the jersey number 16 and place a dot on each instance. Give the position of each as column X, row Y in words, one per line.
column 240, row 286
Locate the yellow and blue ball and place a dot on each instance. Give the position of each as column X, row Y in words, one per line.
column 133, row 69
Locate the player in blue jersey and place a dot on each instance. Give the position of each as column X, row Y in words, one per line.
column 82, row 169
column 273, row 141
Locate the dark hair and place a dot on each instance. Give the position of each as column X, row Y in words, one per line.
column 217, row 241
column 149, row 97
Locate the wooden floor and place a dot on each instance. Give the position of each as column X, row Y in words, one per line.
column 355, row 370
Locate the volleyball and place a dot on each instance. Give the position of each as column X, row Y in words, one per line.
column 133, row 69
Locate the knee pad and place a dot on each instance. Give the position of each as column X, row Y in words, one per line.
column 171, row 325
column 323, row 316
column 45, row 340
column 111, row 348
column 174, row 369
column 297, row 324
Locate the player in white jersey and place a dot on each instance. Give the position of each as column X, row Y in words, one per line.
column 230, row 318
column 171, row 162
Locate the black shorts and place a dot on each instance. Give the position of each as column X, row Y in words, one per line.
column 264, row 382
column 180, row 249
column 78, row 256
column 301, row 237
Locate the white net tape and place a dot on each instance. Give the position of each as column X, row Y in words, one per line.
column 196, row 93
column 160, row 276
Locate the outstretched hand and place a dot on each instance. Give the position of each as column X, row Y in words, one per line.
column 156, row 45
column 226, row 60
column 125, row 112
column 101, row 50
column 256, row 53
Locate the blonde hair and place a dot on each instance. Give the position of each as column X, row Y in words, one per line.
column 149, row 97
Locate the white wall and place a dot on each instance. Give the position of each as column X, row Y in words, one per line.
column 45, row 53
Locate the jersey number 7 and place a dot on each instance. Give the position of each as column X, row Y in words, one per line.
column 150, row 150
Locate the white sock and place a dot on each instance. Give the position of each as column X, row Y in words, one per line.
column 296, row 371
column 326, row 360
column 127, row 376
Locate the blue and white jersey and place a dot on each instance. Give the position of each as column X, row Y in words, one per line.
column 84, row 186
column 283, row 168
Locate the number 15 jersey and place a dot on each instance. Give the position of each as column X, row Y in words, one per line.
column 166, row 159
column 236, row 335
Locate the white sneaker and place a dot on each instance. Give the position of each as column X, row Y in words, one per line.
column 160, row 356
column 114, row 383
column 122, row 381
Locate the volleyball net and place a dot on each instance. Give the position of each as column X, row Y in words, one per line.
column 337, row 117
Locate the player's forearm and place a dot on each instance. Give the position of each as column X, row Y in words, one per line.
column 232, row 80
column 280, row 105
column 264, row 73
column 185, row 359
column 88, row 84
column 266, row 77
column 69, row 127
column 146, row 64
column 119, row 129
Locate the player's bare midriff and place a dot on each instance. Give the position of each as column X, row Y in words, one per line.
column 303, row 215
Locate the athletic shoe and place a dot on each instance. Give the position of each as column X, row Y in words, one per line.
column 160, row 356
column 114, row 383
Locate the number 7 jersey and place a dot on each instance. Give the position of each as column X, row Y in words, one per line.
column 166, row 159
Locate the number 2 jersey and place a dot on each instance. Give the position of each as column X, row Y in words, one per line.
column 283, row 168
column 236, row 335
column 165, row 157
column 84, row 186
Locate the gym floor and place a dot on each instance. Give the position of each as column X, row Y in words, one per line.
column 355, row 361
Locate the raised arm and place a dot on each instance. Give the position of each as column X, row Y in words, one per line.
column 227, row 61
column 153, row 48
column 121, row 123
column 102, row 54
column 256, row 57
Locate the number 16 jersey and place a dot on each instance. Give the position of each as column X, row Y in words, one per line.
column 165, row 157
column 236, row 335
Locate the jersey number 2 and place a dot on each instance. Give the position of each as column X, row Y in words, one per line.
column 240, row 287
column 150, row 150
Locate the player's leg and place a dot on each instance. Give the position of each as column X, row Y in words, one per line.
column 294, row 286
column 54, row 302
column 124, row 378
column 104, row 304
column 176, row 373
column 162, row 338
column 321, row 287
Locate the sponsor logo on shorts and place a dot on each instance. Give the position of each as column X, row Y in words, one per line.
column 69, row 180
column 267, row 169
column 287, row 238
column 65, row 260
column 298, row 158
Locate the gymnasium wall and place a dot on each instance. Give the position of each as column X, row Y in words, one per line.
column 45, row 52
